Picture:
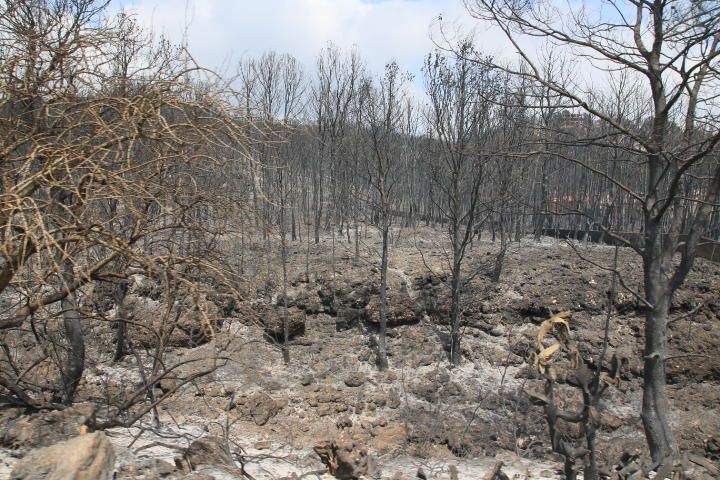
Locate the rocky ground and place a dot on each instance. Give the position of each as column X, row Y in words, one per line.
column 421, row 417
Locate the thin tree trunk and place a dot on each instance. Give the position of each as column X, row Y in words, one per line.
column 382, row 347
column 318, row 213
column 121, row 321
column 455, row 352
column 357, row 243
column 75, row 360
column 307, row 252
column 283, row 255
column 292, row 222
column 500, row 258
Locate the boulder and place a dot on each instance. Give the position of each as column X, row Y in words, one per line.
column 308, row 302
column 348, row 317
column 87, row 457
column 199, row 319
column 192, row 322
column 400, row 310
column 326, row 296
column 344, row 458
column 424, row 388
column 46, row 428
column 272, row 322
column 207, row 451
column 260, row 407
column 355, row 379
column 129, row 467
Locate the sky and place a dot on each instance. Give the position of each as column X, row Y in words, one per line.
column 222, row 32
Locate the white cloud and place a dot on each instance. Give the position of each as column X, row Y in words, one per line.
column 220, row 32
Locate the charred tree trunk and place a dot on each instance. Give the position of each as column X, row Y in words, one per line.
column 121, row 321
column 75, row 358
column 283, row 259
column 455, row 352
column 382, row 360
column 655, row 408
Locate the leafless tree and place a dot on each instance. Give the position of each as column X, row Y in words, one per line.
column 105, row 152
column 672, row 48
column 383, row 120
column 459, row 90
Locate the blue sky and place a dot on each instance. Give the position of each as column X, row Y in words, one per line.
column 220, row 32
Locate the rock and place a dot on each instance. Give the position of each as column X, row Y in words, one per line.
column 365, row 355
column 355, row 379
column 424, row 389
column 498, row 330
column 168, row 383
column 207, row 451
column 87, row 457
column 423, row 360
column 46, row 428
column 399, row 311
column 272, row 322
column 198, row 476
column 378, row 398
column 199, row 320
column 360, row 297
column 380, row 422
column 325, row 410
column 440, row 375
column 329, row 395
column 162, row 468
column 452, row 389
column 343, row 423
column 344, row 458
column 132, row 468
column 348, row 317
column 609, row 422
column 260, row 407
column 308, row 302
column 191, row 322
column 434, row 296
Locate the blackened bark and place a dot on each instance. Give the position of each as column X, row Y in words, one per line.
column 382, row 360
column 455, row 351
column 121, row 321
column 75, row 358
